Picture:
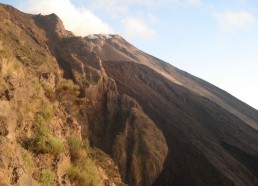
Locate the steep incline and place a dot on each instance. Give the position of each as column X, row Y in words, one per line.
column 74, row 83
column 220, row 130
column 126, row 52
column 160, row 125
column 207, row 144
column 41, row 112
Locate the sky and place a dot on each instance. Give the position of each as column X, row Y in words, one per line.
column 214, row 40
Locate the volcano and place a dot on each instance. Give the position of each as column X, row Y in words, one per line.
column 157, row 124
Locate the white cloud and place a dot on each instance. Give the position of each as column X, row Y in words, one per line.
column 80, row 21
column 83, row 22
column 107, row 3
column 119, row 7
column 136, row 28
column 230, row 21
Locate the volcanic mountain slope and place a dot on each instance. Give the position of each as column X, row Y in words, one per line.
column 160, row 125
column 207, row 124
column 212, row 136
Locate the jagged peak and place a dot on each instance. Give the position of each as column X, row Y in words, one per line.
column 52, row 23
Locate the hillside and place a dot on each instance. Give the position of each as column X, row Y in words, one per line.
column 95, row 110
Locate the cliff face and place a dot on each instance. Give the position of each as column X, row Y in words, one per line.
column 98, row 111
column 56, row 89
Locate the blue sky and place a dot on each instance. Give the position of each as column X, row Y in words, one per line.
column 214, row 40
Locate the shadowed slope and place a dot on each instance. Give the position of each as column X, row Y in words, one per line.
column 116, row 43
column 193, row 127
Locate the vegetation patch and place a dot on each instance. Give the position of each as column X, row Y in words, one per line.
column 36, row 83
column 84, row 173
column 75, row 148
column 29, row 56
column 27, row 159
column 78, row 148
column 47, row 113
column 44, row 141
column 67, row 94
column 67, row 88
column 45, row 177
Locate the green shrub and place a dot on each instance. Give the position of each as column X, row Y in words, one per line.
column 76, row 176
column 46, row 143
column 27, row 158
column 67, row 94
column 42, row 119
column 85, row 174
column 67, row 88
column 41, row 123
column 78, row 148
column 75, row 145
column 56, row 145
column 47, row 113
column 36, row 83
column 45, row 178
column 43, row 141
column 9, row 72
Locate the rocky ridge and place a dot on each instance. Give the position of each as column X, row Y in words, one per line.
column 55, row 87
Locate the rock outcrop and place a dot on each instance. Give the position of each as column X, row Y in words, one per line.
column 54, row 86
